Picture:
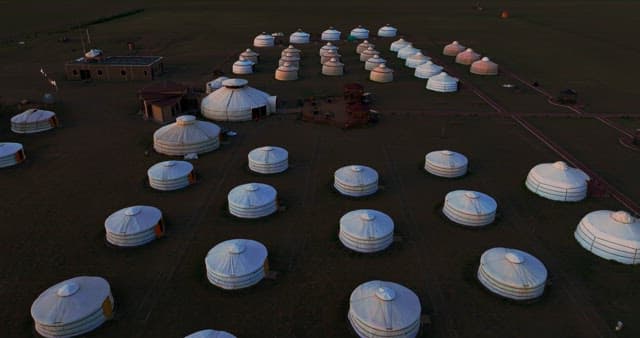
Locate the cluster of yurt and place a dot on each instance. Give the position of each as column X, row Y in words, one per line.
column 381, row 74
column 268, row 160
column 356, row 180
column 187, row 136
column 236, row 101
column 366, row 230
column 446, row 163
column 171, row 175
column 374, row 62
column 443, row 83
column 331, row 34
column 73, row 307
column 299, row 37
column 467, row 57
column 250, row 55
column 252, row 200
column 236, row 264
column 453, row 49
column 208, row 333
column 612, row 235
column 333, row 67
column 11, row 154
column 484, row 66
column 387, row 31
column 264, row 40
column 417, row 59
column 33, row 121
column 134, row 226
column 558, row 182
column 360, row 33
column 215, row 84
column 242, row 66
column 470, row 208
column 512, row 274
column 427, row 70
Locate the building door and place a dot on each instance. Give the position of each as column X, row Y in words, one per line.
column 85, row 74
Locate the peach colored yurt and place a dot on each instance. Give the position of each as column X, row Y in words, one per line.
column 470, row 208
column 356, row 180
column 299, row 37
column 374, row 62
column 407, row 51
column 236, row 264
column 208, row 333
column 558, row 182
column 242, row 66
column 134, row 226
column 291, row 50
column 263, row 40
column 360, row 33
column 333, row 67
column 11, row 154
column 387, row 31
column 368, row 53
column 330, row 34
column 398, row 45
column 453, row 49
column 291, row 59
column 484, row 66
column 171, row 175
column 381, row 74
column 443, row 83
column 363, row 46
column 512, row 273
column 250, row 55
column 415, row 60
column 328, row 55
column 467, row 57
column 329, row 46
column 33, row 121
column 427, row 70
column 187, row 136
column 612, row 235
column 286, row 72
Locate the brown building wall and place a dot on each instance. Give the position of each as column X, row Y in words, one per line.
column 98, row 71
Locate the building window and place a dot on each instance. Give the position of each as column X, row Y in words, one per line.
column 123, row 72
column 99, row 72
column 75, row 72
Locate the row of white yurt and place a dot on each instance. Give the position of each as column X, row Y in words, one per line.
column 268, row 160
column 263, row 40
column 329, row 46
column 242, row 66
column 610, row 235
column 291, row 50
column 134, row 226
column 453, row 49
column 328, row 55
column 252, row 200
column 368, row 53
column 299, row 36
column 187, row 136
column 484, row 66
column 250, row 55
column 73, row 307
column 331, row 34
column 387, row 31
column 446, row 163
column 286, row 72
column 360, row 33
column 512, row 273
column 558, row 182
column 407, row 51
column 374, row 62
column 381, row 74
column 443, row 83
column 11, row 154
column 171, row 175
column 467, row 57
column 398, row 45
column 215, row 84
column 470, row 208
column 356, row 180
column 208, row 333
column 236, row 101
column 333, row 67
column 363, row 46
column 33, row 121
column 366, row 230
column 417, row 59
column 236, row 264
column 427, row 70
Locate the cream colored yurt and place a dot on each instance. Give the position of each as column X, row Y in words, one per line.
column 446, row 163
column 398, row 45
column 558, row 182
column 299, row 37
column 484, row 66
column 187, row 136
column 11, row 154
column 366, row 230
column 443, row 83
column 512, row 273
column 242, row 67
column 427, row 70
column 171, row 175
column 387, row 31
column 134, row 226
column 328, row 55
column 330, row 34
column 263, row 40
column 381, row 74
column 333, row 67
column 291, row 50
column 268, row 160
column 286, row 72
column 329, row 46
column 611, row 235
column 417, row 59
column 236, row 101
column 215, row 84
column 356, row 180
column 470, row 208
column 252, row 200
column 73, row 307
column 291, row 59
column 453, row 49
column 379, row 309
column 236, row 264
column 361, row 47
column 374, row 62
column 250, row 55
column 368, row 53
column 208, row 333
column 467, row 57
column 33, row 121
column 407, row 51
column 360, row 33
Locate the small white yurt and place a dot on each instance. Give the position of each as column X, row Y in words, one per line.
column 252, row 200
column 242, row 67
column 611, row 235
column 512, row 273
column 381, row 74
column 291, row 59
column 398, row 45
column 328, row 55
column 330, row 34
column 387, row 31
column 374, row 62
column 329, row 46
column 11, row 154
column 484, row 66
column 291, row 50
column 360, row 33
column 446, row 163
column 366, row 230
column 236, row 101
column 171, row 175
column 134, row 226
column 427, row 70
column 407, row 51
column 263, row 40
column 286, row 72
column 361, row 47
column 453, row 49
column 299, row 37
column 417, row 59
column 268, row 160
column 33, row 121
column 470, row 208
column 215, row 84
column 558, row 182
column 73, row 307
column 250, row 55
column 384, row 309
column 356, row 180
column 333, row 67
column 443, row 83
column 208, row 333
column 187, row 136
column 368, row 53
column 236, row 264
column 467, row 57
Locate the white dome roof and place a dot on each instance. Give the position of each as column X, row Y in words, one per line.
column 611, row 235
column 416, row 60
column 470, row 208
column 268, row 160
column 557, row 181
column 398, row 45
column 170, row 175
column 443, row 83
column 512, row 273
column 252, row 200
column 427, row 70
column 356, row 180
column 299, row 37
column 234, row 101
column 446, row 163
column 360, row 32
column 366, row 230
column 215, row 84
column 387, row 31
column 9, row 148
column 133, row 226
column 373, row 62
column 329, row 46
column 236, row 263
column 10, row 154
column 330, row 34
column 210, row 334
column 187, row 135
column 263, row 40
column 407, row 51
column 33, row 121
column 247, row 53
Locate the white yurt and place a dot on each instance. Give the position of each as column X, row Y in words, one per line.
column 366, row 230
column 33, row 121
column 417, row 59
column 187, row 136
column 215, row 84
column 250, row 55
column 242, row 67
column 299, row 37
column 291, row 59
column 368, row 53
column 236, row 264
column 134, row 226
column 329, row 46
column 427, row 70
column 443, row 83
column 398, row 45
column 387, row 31
column 446, row 163
column 384, row 309
column 467, row 57
column 208, row 333
column 286, row 72
column 268, row 160
column 11, row 154
column 361, row 47
column 73, row 307
column 360, row 33
column 356, row 180
column 381, row 74
column 558, row 182
column 171, row 175
column 330, row 34
column 470, row 208
column 263, row 40
column 484, row 66
column 512, row 273
column 612, row 235
column 407, row 51
column 252, row 200
column 453, row 49
column 236, row 101
column 333, row 67
column 328, row 55
column 374, row 62
column 291, row 50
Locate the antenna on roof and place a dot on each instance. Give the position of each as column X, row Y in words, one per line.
column 88, row 37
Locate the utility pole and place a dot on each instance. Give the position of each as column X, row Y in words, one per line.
column 88, row 37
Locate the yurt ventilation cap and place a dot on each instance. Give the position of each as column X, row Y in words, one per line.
column 386, row 293
column 514, row 257
column 622, row 217
column 68, row 289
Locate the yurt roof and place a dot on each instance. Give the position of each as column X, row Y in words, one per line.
column 471, row 202
column 93, row 53
column 385, row 305
column 188, row 130
column 242, row 61
column 9, row 148
column 235, row 83
column 32, row 115
column 290, row 57
column 443, row 77
column 370, row 50
column 333, row 62
column 300, row 34
column 249, row 53
column 430, row 67
column 456, row 44
column 366, row 43
column 469, row 51
column 388, row 28
column 376, row 59
column 382, row 68
column 359, row 29
column 356, row 175
column 235, row 96
column 329, row 46
column 133, row 220
column 217, row 82
column 236, row 257
column 291, row 49
column 401, row 41
column 252, row 195
column 210, row 334
column 618, row 227
column 264, row 36
column 330, row 53
column 331, row 30
column 419, row 57
column 513, row 267
column 560, row 175
column 366, row 224
column 268, row 154
column 170, row 170
column 447, row 159
column 287, row 67
column 70, row 300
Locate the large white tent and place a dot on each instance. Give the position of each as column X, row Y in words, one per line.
column 330, row 34
column 453, row 49
column 333, row 67
column 374, row 62
column 134, row 226
column 299, row 36
column 446, row 163
column 558, row 182
column 236, row 264
column 467, row 57
column 427, row 70
column 512, row 273
column 73, row 307
column 187, row 136
column 171, row 175
column 368, row 53
column 356, row 180
column 381, row 74
column 208, row 333
column 363, row 46
column 366, row 230
column 443, row 83
column 252, row 200
column 263, row 40
column 398, row 45
column 328, row 55
column 360, row 33
column 250, row 55
column 268, row 160
column 379, row 309
column 236, row 101
column 33, row 121
column 484, row 66
column 215, row 84
column 387, row 31
column 242, row 66
column 407, row 51
column 329, row 46
column 415, row 60
column 470, row 208
column 11, row 154
column 610, row 235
